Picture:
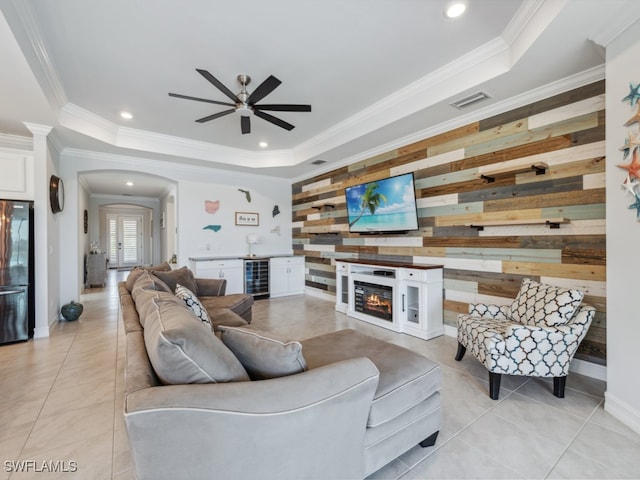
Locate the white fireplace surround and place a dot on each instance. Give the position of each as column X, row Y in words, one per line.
column 417, row 295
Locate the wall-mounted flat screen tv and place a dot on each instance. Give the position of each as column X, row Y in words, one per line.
column 383, row 206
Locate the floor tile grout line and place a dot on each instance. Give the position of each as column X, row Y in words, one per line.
column 46, row 397
column 573, row 439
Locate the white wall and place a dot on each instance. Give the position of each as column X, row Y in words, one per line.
column 195, row 241
column 622, row 398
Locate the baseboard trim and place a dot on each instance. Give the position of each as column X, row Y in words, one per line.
column 622, row 411
column 588, row 369
column 314, row 292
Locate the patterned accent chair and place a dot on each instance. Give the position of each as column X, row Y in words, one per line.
column 537, row 335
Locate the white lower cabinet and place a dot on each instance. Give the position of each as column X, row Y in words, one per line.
column 231, row 270
column 286, row 276
column 421, row 303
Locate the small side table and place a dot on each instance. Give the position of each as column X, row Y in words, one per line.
column 96, row 270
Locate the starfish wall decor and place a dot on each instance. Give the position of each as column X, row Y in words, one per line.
column 632, row 147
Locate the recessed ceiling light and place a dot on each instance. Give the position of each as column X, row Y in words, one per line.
column 455, row 9
column 126, row 115
column 263, row 144
column 129, row 184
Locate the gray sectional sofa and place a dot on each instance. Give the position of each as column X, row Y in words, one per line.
column 241, row 404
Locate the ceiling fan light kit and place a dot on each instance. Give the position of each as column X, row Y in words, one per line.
column 245, row 103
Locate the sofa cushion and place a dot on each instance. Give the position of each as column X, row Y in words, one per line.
column 183, row 276
column 239, row 303
column 183, row 350
column 137, row 271
column 544, row 305
column 224, row 316
column 406, row 378
column 264, row 355
column 189, row 298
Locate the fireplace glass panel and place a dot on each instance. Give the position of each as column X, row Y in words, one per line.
column 375, row 300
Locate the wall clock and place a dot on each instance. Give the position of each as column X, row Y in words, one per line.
column 56, row 194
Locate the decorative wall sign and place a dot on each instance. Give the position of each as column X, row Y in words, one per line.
column 632, row 147
column 215, row 228
column 247, row 219
column 211, row 206
column 247, row 194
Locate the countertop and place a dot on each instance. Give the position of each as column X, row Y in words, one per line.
column 240, row 257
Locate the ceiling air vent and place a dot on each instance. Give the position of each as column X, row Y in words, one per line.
column 318, row 162
column 470, row 99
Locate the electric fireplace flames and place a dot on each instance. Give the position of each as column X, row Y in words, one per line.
column 375, row 300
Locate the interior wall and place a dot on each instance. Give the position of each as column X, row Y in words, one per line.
column 566, row 131
column 213, row 233
column 622, row 398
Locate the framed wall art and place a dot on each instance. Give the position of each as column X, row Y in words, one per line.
column 247, row 219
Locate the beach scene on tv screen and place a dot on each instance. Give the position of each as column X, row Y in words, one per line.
column 382, row 205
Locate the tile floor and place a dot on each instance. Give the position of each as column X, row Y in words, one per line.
column 61, row 401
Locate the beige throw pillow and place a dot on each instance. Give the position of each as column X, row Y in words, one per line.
column 264, row 355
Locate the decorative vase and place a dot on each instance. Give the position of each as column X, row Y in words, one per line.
column 71, row 311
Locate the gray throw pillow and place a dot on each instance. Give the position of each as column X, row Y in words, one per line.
column 137, row 271
column 182, row 276
column 183, row 350
column 264, row 355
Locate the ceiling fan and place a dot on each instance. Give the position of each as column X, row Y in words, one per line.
column 245, row 103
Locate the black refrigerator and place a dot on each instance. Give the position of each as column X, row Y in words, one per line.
column 17, row 315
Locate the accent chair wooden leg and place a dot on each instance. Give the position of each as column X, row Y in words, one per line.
column 558, row 386
column 494, row 385
column 430, row 441
column 461, row 351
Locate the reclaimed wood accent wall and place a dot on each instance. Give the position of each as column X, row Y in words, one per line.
column 566, row 132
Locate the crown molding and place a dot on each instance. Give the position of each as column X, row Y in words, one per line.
column 38, row 57
column 16, row 142
column 159, row 167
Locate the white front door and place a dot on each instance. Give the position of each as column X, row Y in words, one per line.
column 125, row 246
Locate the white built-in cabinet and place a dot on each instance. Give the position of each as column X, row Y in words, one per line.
column 16, row 180
column 286, row 273
column 232, row 270
column 417, row 295
column 286, row 276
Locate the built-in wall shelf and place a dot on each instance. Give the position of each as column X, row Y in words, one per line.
column 551, row 222
column 491, row 175
column 324, row 233
column 324, row 206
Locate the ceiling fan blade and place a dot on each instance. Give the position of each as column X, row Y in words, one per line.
column 218, row 84
column 216, row 115
column 284, row 108
column 187, row 97
column 264, row 89
column 245, row 124
column 274, row 120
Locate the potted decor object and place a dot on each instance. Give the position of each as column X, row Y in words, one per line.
column 71, row 311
